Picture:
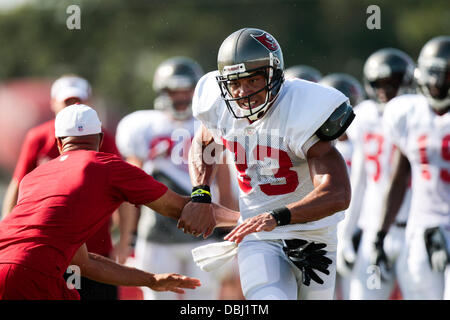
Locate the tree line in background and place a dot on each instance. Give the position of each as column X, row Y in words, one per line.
column 120, row 43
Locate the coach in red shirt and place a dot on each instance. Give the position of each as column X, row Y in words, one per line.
column 40, row 147
column 63, row 202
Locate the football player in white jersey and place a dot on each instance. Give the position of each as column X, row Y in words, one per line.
column 303, row 72
column 293, row 182
column 158, row 141
column 353, row 89
column 387, row 73
column 420, row 127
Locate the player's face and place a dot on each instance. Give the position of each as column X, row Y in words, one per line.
column 181, row 98
column 387, row 88
column 438, row 83
column 244, row 87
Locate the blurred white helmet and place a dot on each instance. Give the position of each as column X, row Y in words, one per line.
column 177, row 73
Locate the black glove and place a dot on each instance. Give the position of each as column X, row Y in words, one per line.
column 380, row 258
column 308, row 256
column 436, row 245
column 356, row 240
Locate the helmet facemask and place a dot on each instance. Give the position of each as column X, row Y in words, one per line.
column 273, row 80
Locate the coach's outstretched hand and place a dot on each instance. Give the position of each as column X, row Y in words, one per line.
column 173, row 282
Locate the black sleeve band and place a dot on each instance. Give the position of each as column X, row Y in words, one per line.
column 282, row 216
column 337, row 123
column 201, row 194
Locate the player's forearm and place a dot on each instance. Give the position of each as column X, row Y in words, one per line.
column 225, row 217
column 102, row 269
column 326, row 199
column 331, row 191
column 393, row 199
column 203, row 158
column 358, row 183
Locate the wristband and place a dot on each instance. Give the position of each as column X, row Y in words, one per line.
column 282, row 216
column 201, row 194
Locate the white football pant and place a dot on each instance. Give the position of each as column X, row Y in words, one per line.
column 419, row 280
column 368, row 281
column 175, row 258
column 268, row 274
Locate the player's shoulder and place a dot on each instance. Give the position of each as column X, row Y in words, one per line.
column 366, row 111
column 307, row 90
column 140, row 121
column 207, row 102
column 40, row 134
column 42, row 129
column 206, row 93
column 308, row 101
column 301, row 108
column 405, row 106
column 208, row 79
column 366, row 104
column 139, row 117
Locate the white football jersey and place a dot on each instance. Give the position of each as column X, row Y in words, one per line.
column 158, row 140
column 270, row 154
column 424, row 138
column 345, row 147
column 375, row 149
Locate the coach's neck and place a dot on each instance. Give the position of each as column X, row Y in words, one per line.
column 88, row 142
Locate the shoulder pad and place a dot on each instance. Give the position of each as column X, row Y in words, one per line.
column 337, row 123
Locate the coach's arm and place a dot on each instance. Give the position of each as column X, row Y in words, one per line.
column 102, row 269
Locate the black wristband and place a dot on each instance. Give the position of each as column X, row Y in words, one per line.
column 282, row 216
column 201, row 194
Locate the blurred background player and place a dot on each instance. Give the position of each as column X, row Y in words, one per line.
column 40, row 147
column 387, row 73
column 303, row 72
column 353, row 89
column 158, row 141
column 419, row 125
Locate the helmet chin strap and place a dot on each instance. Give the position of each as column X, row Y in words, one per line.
column 261, row 113
column 258, row 115
column 439, row 105
column 436, row 104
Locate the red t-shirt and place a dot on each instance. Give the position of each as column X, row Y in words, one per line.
column 62, row 203
column 40, row 147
